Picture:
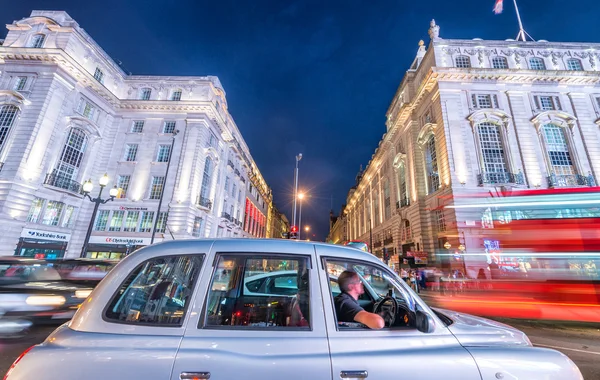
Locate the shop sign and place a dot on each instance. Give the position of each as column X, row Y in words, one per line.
column 122, row 240
column 45, row 235
column 133, row 208
column 420, row 256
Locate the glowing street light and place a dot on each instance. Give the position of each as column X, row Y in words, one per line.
column 88, row 186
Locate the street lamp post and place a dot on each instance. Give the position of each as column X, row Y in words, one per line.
column 162, row 191
column 87, row 188
column 298, row 158
column 300, row 197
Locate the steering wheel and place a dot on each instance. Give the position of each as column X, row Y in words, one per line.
column 389, row 304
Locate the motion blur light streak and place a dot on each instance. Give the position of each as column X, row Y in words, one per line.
column 523, row 204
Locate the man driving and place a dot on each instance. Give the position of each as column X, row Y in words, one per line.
column 346, row 303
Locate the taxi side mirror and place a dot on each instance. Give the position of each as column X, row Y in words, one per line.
column 424, row 322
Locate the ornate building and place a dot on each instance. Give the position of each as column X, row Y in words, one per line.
column 472, row 117
column 68, row 113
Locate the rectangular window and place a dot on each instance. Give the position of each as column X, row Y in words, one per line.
column 131, row 152
column 69, row 217
column 99, row 75
column 433, row 178
column 212, row 140
column 145, row 94
column 176, row 95
column 157, row 187
column 169, row 127
column 226, row 184
column 35, row 211
column 233, row 189
column 161, row 224
column 87, row 110
column 484, row 101
column 146, row 223
column 20, row 84
column 101, row 220
column 164, row 151
column 265, row 298
column 157, row 292
column 547, row 103
column 137, row 126
column 197, row 228
column 52, row 213
column 131, row 221
column 440, row 220
column 116, row 222
column 123, row 185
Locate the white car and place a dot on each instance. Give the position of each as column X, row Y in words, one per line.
column 183, row 310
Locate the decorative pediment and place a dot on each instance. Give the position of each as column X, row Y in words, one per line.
column 13, row 97
column 399, row 160
column 559, row 118
column 427, row 130
column 489, row 115
column 86, row 124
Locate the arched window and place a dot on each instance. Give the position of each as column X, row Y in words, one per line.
column 37, row 41
column 145, row 93
column 176, row 95
column 206, row 182
column 402, row 186
column 8, row 115
column 574, row 64
column 536, row 63
column 406, row 231
column 494, row 168
column 499, row 63
column 558, row 151
column 431, row 166
column 70, row 159
column 463, row 62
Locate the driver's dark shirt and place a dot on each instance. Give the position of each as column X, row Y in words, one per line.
column 346, row 307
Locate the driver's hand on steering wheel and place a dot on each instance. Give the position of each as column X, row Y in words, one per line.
column 387, row 315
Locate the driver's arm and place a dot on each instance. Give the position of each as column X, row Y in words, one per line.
column 371, row 320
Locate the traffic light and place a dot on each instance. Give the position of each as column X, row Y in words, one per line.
column 294, row 232
column 386, row 255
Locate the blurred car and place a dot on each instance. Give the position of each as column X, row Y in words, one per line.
column 182, row 310
column 33, row 292
column 83, row 271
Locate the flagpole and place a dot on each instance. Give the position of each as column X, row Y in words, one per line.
column 522, row 32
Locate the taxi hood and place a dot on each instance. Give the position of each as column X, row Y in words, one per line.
column 472, row 331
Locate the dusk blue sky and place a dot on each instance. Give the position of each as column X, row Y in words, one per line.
column 314, row 77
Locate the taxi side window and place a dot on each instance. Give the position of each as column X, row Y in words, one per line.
column 157, row 292
column 259, row 292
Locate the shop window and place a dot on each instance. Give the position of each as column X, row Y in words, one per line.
column 116, row 222
column 69, row 217
column 156, row 293
column 53, row 213
column 161, row 223
column 146, row 223
column 259, row 291
column 131, row 221
column 101, row 220
column 35, row 211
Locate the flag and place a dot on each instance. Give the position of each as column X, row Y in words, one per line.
column 498, row 7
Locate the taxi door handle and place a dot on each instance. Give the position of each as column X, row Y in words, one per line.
column 354, row 374
column 194, row 375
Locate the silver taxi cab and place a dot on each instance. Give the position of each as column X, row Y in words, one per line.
column 264, row 309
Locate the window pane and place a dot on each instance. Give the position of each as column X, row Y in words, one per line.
column 147, row 219
column 35, row 210
column 157, row 292
column 8, row 115
column 116, row 222
column 69, row 217
column 169, row 127
column 574, row 65
column 163, row 153
column 463, row 62
column 433, row 178
column 99, row 75
column 197, row 228
column 558, row 150
column 37, row 41
column 206, row 179
column 161, row 224
column 123, row 185
column 176, row 95
column 131, row 152
column 259, row 291
column 131, row 221
column 20, row 83
column 499, row 63
column 157, row 187
column 537, row 64
column 492, row 149
column 138, row 126
column 101, row 220
column 145, row 94
column 53, row 212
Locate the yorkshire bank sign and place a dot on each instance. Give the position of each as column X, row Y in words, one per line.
column 121, row 240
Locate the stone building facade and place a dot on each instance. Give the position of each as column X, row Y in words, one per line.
column 69, row 113
column 470, row 118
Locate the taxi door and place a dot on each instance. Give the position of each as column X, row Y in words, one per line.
column 258, row 315
column 389, row 353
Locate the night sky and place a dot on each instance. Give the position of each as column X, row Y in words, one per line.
column 303, row 76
